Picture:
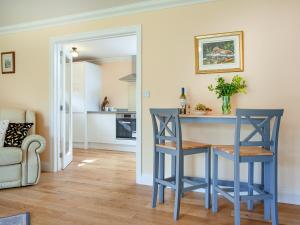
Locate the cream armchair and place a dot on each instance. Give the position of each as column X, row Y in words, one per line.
column 21, row 166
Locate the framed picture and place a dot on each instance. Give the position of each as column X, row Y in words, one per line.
column 219, row 53
column 8, row 62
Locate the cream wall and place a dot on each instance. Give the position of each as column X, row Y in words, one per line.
column 272, row 49
column 113, row 88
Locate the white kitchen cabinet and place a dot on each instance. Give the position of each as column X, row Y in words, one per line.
column 86, row 96
column 102, row 128
column 86, row 87
column 79, row 127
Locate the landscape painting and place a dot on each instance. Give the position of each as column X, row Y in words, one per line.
column 8, row 62
column 219, row 53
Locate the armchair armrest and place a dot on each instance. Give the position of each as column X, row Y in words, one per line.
column 31, row 147
column 37, row 139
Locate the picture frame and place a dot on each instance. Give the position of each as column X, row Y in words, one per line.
column 8, row 64
column 219, row 53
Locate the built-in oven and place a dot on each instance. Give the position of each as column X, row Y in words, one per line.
column 126, row 126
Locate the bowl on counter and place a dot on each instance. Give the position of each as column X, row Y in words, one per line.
column 110, row 109
column 200, row 112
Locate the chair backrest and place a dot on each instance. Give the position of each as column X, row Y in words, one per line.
column 166, row 126
column 266, row 123
column 18, row 116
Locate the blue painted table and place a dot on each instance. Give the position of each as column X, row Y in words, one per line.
column 208, row 118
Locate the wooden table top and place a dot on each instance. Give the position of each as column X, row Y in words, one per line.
column 208, row 115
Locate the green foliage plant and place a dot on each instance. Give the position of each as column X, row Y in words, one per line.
column 223, row 88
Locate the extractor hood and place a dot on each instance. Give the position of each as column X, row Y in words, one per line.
column 129, row 78
column 132, row 76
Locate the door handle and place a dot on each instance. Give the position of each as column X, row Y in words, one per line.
column 125, row 122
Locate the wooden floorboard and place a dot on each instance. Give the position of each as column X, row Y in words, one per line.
column 98, row 187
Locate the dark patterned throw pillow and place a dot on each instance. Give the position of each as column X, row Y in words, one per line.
column 16, row 133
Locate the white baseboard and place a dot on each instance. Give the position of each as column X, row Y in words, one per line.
column 78, row 145
column 115, row 147
column 145, row 180
column 294, row 199
column 289, row 198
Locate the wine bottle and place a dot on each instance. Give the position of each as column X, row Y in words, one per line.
column 183, row 101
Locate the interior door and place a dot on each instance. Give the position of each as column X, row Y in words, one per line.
column 66, row 148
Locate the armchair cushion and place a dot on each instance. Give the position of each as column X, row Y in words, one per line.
column 10, row 156
column 16, row 133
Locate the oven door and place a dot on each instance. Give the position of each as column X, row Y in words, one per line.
column 125, row 128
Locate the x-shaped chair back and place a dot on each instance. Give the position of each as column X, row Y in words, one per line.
column 166, row 126
column 261, row 120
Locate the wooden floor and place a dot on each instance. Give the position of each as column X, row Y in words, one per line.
column 99, row 188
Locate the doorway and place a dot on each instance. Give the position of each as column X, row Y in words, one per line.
column 61, row 102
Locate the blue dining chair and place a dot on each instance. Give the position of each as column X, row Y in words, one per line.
column 250, row 150
column 168, row 140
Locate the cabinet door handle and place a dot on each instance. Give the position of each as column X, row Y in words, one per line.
column 125, row 122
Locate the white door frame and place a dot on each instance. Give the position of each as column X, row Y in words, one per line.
column 55, row 43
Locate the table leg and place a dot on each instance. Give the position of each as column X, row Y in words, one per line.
column 173, row 167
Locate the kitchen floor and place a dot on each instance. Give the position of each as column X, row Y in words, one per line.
column 98, row 187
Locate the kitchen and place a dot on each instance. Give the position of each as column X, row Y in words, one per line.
column 104, row 94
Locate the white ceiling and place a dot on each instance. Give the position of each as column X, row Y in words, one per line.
column 24, row 11
column 117, row 47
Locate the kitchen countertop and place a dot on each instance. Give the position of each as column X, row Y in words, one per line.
column 114, row 112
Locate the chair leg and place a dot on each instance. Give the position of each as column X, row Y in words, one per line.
column 155, row 176
column 274, row 192
column 178, row 193
column 182, row 193
column 250, row 183
column 267, row 203
column 215, row 181
column 173, row 167
column 207, row 179
column 237, row 203
column 161, row 175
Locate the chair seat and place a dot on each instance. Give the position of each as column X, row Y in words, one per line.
column 244, row 150
column 10, row 156
column 186, row 145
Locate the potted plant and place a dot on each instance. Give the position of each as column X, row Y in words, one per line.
column 201, row 109
column 225, row 90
